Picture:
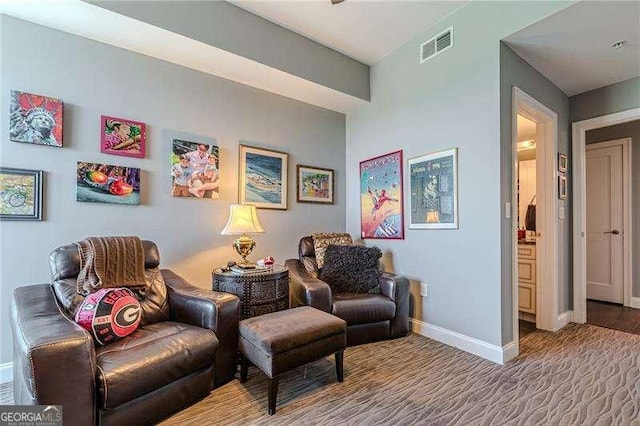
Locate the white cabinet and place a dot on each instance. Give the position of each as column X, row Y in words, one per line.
column 527, row 278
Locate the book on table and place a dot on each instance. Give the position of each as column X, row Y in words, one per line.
column 247, row 271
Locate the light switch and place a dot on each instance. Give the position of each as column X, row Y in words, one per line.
column 507, row 210
column 561, row 212
column 423, row 289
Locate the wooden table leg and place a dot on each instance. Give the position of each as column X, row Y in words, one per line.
column 339, row 366
column 273, row 394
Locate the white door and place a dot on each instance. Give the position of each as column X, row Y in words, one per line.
column 604, row 223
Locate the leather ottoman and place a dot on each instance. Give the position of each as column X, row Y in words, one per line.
column 280, row 341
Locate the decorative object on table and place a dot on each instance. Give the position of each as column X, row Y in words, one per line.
column 103, row 183
column 263, row 177
column 562, row 187
column 314, row 185
column 563, row 164
column 434, row 190
column 119, row 136
column 267, row 262
column 194, row 169
column 35, row 119
column 20, row 194
column 381, row 210
column 243, row 220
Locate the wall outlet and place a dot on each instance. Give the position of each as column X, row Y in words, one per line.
column 423, row 289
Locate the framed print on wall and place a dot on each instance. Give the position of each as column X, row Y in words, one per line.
column 562, row 163
column 195, row 169
column 381, row 213
column 314, row 184
column 263, row 177
column 20, row 194
column 35, row 119
column 434, row 190
column 104, row 183
column 562, row 187
column 122, row 137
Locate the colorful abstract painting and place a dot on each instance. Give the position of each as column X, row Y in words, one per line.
column 434, row 190
column 194, row 169
column 314, row 184
column 35, row 119
column 122, row 137
column 20, row 194
column 381, row 197
column 103, row 183
column 263, row 178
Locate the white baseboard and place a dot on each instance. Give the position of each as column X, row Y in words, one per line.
column 564, row 319
column 6, row 372
column 634, row 302
column 485, row 350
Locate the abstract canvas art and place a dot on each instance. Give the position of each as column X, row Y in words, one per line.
column 119, row 136
column 35, row 119
column 381, row 214
column 104, row 183
column 20, row 194
column 263, row 178
column 194, row 169
column 314, row 184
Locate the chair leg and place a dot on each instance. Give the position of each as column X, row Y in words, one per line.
column 273, row 394
column 244, row 368
column 339, row 366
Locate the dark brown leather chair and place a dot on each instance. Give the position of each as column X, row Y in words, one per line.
column 187, row 341
column 369, row 317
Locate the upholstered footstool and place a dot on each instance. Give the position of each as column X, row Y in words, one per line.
column 280, row 341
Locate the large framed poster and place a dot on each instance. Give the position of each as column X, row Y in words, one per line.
column 381, row 197
column 434, row 190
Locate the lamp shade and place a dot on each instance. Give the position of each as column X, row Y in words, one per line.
column 243, row 219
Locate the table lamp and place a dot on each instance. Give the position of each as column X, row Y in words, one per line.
column 243, row 220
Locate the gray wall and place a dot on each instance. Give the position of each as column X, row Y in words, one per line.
column 449, row 101
column 627, row 130
column 606, row 100
column 94, row 79
column 228, row 27
column 515, row 71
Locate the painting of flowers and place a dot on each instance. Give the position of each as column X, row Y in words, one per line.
column 35, row 119
column 122, row 137
column 103, row 183
column 381, row 197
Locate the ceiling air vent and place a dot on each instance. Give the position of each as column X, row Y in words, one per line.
column 436, row 45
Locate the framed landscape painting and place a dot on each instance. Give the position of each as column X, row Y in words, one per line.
column 122, row 137
column 314, row 184
column 434, row 190
column 194, row 169
column 104, row 183
column 35, row 119
column 381, row 213
column 20, row 194
column 263, row 178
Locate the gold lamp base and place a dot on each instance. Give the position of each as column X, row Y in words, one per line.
column 243, row 246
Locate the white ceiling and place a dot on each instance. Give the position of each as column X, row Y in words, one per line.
column 526, row 129
column 366, row 30
column 573, row 47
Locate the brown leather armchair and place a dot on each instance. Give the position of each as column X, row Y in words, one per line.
column 369, row 317
column 187, row 341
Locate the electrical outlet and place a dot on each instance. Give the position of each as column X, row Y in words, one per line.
column 423, row 289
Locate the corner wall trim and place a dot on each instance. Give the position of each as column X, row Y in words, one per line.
column 485, row 350
column 6, row 372
column 634, row 302
column 564, row 319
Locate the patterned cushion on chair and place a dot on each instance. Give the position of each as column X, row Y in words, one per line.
column 352, row 269
column 109, row 314
column 322, row 240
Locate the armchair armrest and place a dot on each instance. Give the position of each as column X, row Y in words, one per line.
column 54, row 358
column 306, row 290
column 396, row 288
column 216, row 311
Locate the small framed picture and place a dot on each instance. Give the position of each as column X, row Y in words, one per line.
column 314, row 184
column 562, row 163
column 35, row 119
column 562, row 187
column 20, row 194
column 119, row 136
column 263, row 177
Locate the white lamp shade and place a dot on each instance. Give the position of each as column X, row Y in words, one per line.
column 243, row 219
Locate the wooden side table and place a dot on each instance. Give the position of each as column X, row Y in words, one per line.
column 260, row 293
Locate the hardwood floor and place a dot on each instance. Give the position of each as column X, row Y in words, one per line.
column 526, row 327
column 613, row 316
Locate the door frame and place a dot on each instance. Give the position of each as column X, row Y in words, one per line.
column 547, row 203
column 578, row 162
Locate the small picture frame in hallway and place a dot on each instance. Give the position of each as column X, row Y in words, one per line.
column 562, row 187
column 563, row 164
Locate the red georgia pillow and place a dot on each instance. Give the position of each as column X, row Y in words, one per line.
column 109, row 314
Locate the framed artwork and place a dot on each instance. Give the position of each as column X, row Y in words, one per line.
column 381, row 213
column 562, row 163
column 263, row 177
column 434, row 190
column 20, row 194
column 104, row 183
column 194, row 169
column 35, row 119
column 314, row 184
column 122, row 137
column 562, row 187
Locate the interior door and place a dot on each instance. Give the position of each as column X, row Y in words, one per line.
column 604, row 223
